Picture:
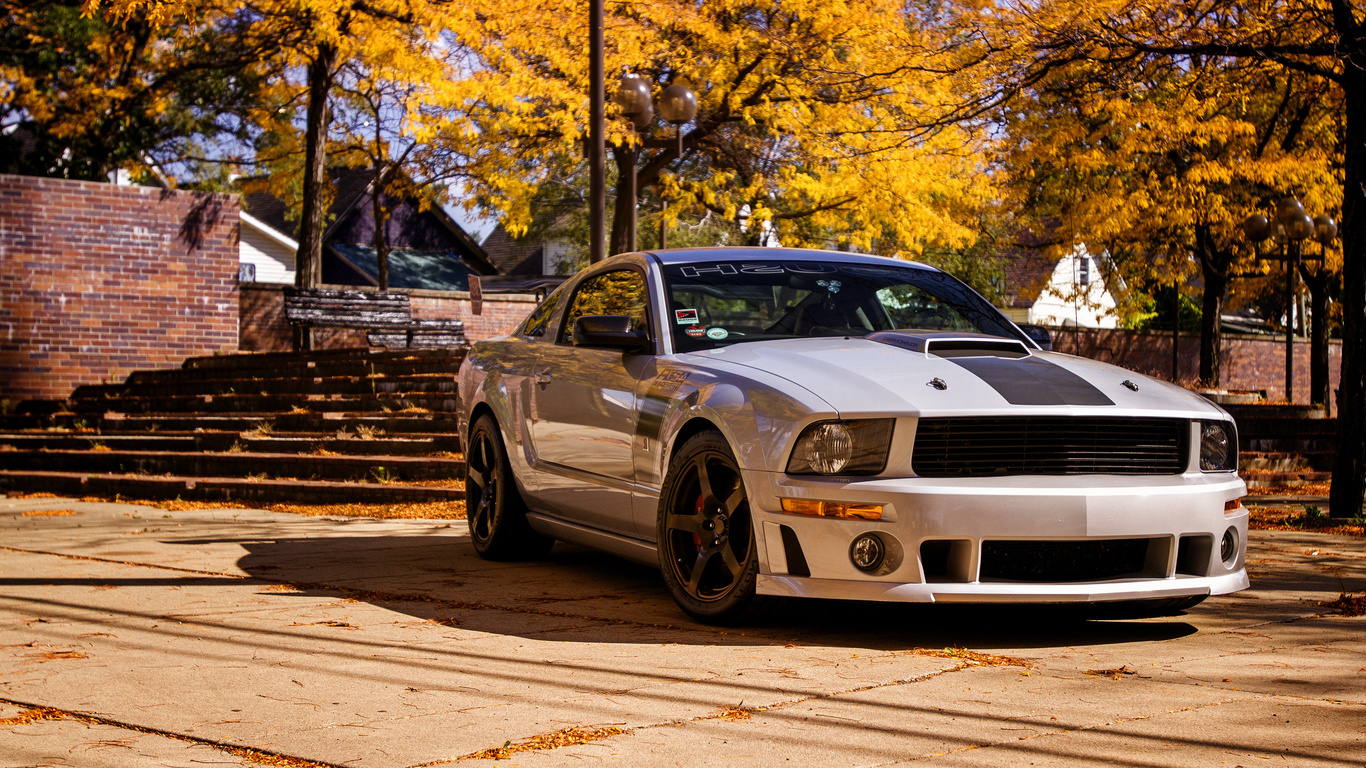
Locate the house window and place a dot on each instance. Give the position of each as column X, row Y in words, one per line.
column 1084, row 270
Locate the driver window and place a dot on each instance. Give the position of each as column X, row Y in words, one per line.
column 620, row 292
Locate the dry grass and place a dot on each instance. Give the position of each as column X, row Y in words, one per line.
column 1118, row 673
column 976, row 658
column 565, row 738
column 429, row 510
column 1301, row 489
column 1307, row 519
column 1349, row 604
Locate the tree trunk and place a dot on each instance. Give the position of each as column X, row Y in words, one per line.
column 1349, row 468
column 1319, row 381
column 381, row 217
column 622, row 216
column 1211, row 329
column 308, row 260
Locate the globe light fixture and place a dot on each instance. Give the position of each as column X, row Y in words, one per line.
column 1287, row 231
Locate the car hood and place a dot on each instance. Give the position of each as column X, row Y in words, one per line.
column 860, row 376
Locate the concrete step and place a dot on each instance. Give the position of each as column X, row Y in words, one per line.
column 272, row 364
column 1285, row 411
column 267, row 404
column 242, row 464
column 1270, row 479
column 445, row 364
column 390, row 424
column 294, row 442
column 1280, row 461
column 427, row 383
column 221, row 488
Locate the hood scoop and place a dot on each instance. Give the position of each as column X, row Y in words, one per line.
column 952, row 345
column 1005, row 365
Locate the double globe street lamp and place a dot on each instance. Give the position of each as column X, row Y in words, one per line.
column 677, row 105
column 1288, row 230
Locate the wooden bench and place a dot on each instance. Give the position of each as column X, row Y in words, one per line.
column 387, row 315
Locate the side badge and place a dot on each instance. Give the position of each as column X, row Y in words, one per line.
column 937, row 383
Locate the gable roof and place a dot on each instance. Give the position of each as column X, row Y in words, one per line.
column 351, row 194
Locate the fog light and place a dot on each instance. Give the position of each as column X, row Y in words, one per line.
column 1228, row 548
column 867, row 552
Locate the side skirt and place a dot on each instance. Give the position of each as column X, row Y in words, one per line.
column 621, row 546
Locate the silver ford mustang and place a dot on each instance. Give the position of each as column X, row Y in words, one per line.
column 816, row 424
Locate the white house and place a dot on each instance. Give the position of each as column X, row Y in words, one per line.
column 269, row 252
column 1067, row 291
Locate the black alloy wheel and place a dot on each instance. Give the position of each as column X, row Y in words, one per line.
column 706, row 533
column 493, row 508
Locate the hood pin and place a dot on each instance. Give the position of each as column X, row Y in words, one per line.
column 1129, row 385
column 937, row 383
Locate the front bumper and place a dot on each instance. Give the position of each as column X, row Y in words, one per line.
column 1010, row 539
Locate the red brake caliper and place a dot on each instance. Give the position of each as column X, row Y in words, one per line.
column 696, row 537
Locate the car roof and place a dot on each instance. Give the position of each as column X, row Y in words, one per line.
column 754, row 253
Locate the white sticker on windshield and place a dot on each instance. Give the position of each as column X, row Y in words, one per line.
column 717, row 333
column 685, row 316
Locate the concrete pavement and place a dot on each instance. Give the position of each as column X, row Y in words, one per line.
column 246, row 637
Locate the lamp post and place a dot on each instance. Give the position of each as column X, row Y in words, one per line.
column 597, row 141
column 677, row 105
column 1291, row 227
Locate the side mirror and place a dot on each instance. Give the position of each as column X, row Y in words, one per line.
column 611, row 331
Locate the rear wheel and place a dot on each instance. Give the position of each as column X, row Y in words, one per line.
column 493, row 507
column 706, row 533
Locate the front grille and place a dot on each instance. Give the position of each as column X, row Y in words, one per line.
column 1062, row 561
column 1049, row 445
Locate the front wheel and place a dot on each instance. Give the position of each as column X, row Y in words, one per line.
column 705, row 532
column 493, row 507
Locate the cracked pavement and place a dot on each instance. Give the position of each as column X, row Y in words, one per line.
column 131, row 636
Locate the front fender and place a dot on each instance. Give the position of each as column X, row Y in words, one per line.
column 757, row 413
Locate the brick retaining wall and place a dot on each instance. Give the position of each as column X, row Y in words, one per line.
column 1249, row 362
column 264, row 329
column 98, row 280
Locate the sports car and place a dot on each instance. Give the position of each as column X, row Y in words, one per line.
column 798, row 423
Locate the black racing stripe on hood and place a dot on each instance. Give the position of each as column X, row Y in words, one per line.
column 1031, row 381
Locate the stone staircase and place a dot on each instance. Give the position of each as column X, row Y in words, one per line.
column 335, row 426
column 1284, row 445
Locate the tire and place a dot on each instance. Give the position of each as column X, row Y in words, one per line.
column 493, row 508
column 705, row 533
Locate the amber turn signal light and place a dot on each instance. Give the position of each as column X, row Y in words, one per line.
column 848, row 511
column 1233, row 505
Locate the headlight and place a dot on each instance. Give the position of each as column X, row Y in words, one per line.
column 1218, row 446
column 842, row 448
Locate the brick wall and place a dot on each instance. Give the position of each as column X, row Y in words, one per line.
column 98, row 280
column 1249, row 362
column 264, row 328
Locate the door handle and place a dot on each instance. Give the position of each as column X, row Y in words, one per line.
column 542, row 378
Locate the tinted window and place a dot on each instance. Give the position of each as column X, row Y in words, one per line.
column 620, row 292
column 716, row 303
column 536, row 323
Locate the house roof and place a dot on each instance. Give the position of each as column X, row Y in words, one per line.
column 351, row 189
column 1027, row 274
column 411, row 268
column 514, row 256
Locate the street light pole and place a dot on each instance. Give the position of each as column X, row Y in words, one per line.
column 597, row 140
column 1290, row 227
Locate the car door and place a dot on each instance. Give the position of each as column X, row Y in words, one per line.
column 583, row 408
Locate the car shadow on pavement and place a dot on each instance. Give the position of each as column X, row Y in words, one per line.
column 587, row 596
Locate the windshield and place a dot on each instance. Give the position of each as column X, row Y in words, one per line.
column 725, row 302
